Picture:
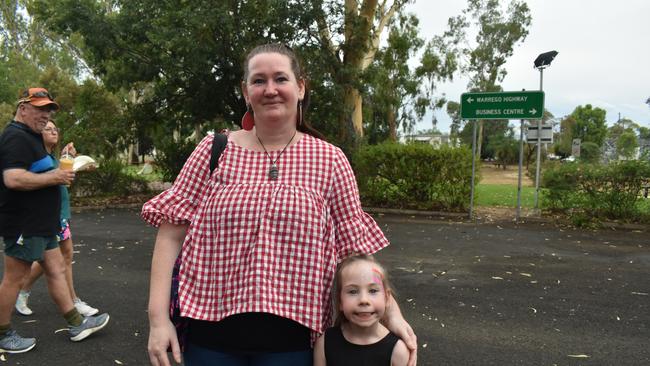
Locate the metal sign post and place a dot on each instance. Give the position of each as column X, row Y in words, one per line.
column 521, row 162
column 471, row 197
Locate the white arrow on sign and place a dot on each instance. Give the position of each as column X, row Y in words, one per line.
column 532, row 111
column 469, row 100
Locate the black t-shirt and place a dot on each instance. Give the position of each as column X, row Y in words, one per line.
column 340, row 352
column 30, row 213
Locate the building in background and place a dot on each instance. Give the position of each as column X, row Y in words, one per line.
column 434, row 139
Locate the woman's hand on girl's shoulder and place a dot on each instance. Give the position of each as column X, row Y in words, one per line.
column 400, row 355
column 319, row 352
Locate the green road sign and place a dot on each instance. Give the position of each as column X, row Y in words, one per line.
column 502, row 105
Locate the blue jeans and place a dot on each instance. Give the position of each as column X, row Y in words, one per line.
column 198, row 356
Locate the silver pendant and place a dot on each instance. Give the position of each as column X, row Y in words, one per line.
column 274, row 172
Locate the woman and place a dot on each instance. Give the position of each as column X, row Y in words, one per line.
column 261, row 235
column 51, row 140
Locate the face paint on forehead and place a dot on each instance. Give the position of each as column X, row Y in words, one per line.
column 378, row 279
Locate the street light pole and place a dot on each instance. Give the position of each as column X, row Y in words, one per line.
column 539, row 143
column 541, row 62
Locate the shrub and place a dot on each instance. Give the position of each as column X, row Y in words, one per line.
column 414, row 176
column 589, row 152
column 109, row 178
column 599, row 191
column 170, row 157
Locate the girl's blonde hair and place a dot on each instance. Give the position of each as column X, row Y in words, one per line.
column 339, row 317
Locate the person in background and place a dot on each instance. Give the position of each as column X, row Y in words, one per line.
column 30, row 204
column 362, row 296
column 51, row 140
column 261, row 235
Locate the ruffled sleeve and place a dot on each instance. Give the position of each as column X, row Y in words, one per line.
column 355, row 230
column 178, row 204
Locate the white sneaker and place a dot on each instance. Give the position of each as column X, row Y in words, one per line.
column 21, row 304
column 83, row 308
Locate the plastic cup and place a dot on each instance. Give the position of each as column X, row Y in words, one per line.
column 66, row 163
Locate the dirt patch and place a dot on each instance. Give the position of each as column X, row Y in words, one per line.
column 490, row 174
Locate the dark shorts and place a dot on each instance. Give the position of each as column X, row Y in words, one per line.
column 31, row 248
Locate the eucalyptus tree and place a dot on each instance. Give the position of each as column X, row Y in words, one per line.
column 180, row 62
column 497, row 33
column 590, row 124
column 348, row 35
column 399, row 94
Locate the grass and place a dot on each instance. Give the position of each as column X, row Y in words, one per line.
column 134, row 169
column 504, row 195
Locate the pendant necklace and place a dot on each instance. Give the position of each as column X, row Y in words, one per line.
column 274, row 172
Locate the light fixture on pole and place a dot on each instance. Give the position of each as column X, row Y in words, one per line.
column 541, row 62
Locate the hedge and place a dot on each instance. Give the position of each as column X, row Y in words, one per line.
column 414, row 176
column 597, row 191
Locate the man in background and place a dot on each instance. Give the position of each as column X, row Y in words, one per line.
column 29, row 219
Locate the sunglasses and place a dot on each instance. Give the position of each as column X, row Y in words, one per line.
column 52, row 130
column 38, row 94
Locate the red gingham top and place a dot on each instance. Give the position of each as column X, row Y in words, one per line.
column 257, row 245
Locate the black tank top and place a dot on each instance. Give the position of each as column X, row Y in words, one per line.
column 340, row 352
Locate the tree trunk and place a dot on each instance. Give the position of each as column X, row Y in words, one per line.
column 364, row 22
column 197, row 133
column 479, row 139
column 357, row 113
column 348, row 135
column 392, row 125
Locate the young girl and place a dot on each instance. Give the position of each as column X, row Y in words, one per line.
column 361, row 296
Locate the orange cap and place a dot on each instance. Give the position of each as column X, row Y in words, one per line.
column 38, row 97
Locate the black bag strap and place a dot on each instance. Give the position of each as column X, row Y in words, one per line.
column 218, row 145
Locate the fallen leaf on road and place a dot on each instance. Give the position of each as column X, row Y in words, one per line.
column 119, row 362
column 409, row 300
column 579, row 356
column 61, row 330
column 3, row 358
column 639, row 293
column 525, row 274
column 424, row 345
column 534, row 310
column 497, row 278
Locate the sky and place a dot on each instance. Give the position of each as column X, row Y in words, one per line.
column 603, row 56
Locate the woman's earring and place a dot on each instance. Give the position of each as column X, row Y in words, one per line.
column 300, row 113
column 248, row 121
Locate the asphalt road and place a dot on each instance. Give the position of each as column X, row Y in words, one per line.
column 476, row 294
